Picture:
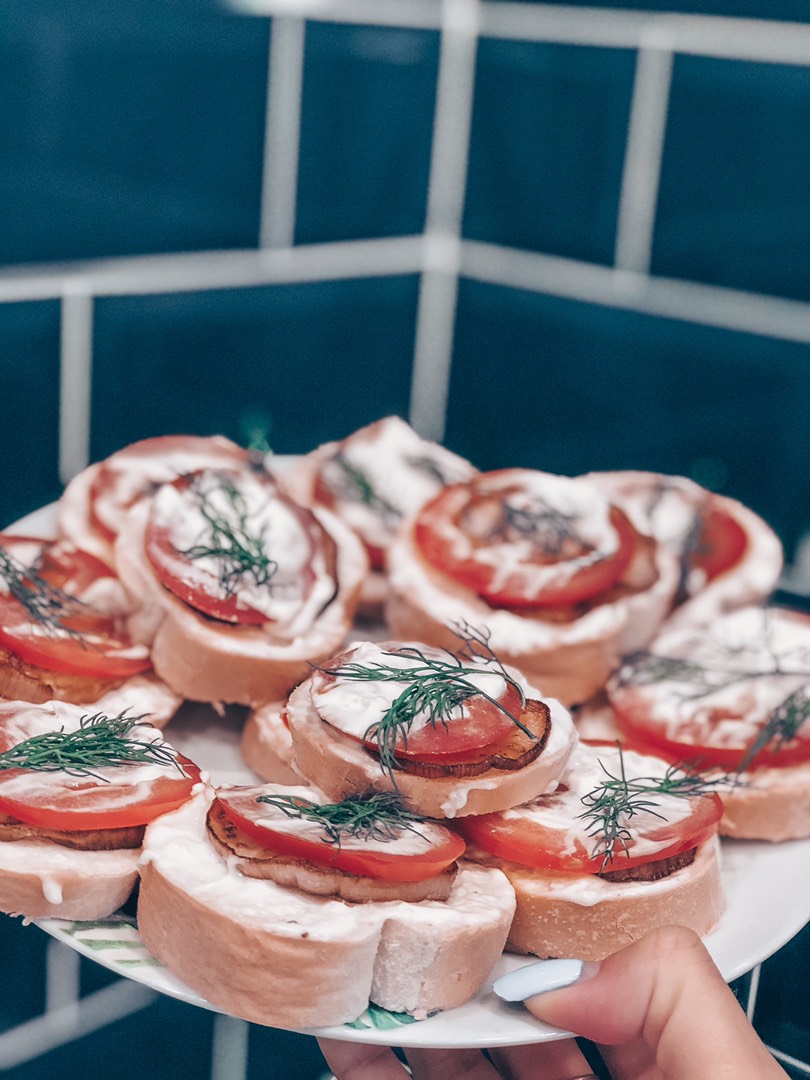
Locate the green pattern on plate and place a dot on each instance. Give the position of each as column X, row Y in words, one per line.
column 116, row 937
column 382, row 1019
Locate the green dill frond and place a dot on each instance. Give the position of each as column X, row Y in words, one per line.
column 99, row 742
column 377, row 815
column 232, row 541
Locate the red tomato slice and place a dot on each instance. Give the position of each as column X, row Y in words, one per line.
column 200, row 587
column 721, row 543
column 132, row 472
column 519, row 838
column 99, row 645
column 646, row 737
column 57, row 799
column 371, row 860
column 482, row 725
column 325, row 496
column 481, row 503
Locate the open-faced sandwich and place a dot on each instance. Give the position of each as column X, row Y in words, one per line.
column 453, row 732
column 733, row 695
column 373, row 479
column 94, row 505
column 559, row 575
column 63, row 633
column 285, row 909
column 624, row 844
column 728, row 556
column 236, row 586
column 76, row 792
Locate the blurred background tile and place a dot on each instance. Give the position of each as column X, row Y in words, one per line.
column 130, row 131
column 547, row 147
column 783, row 999
column 29, row 407
column 367, row 116
column 734, row 207
column 301, row 363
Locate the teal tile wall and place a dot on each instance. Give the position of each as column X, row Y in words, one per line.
column 134, row 129
column 369, row 94
column 547, row 147
column 306, row 362
column 734, row 201
column 29, row 407
column 582, row 387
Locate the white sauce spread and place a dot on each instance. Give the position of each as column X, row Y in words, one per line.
column 587, row 768
column 121, row 785
column 299, row 586
column 416, row 839
column 402, row 469
column 530, row 493
column 352, row 706
column 749, row 661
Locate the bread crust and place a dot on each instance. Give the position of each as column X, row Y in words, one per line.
column 340, row 766
column 769, row 804
column 560, row 915
column 206, row 660
column 39, row 879
column 279, row 957
column 74, row 521
column 266, row 744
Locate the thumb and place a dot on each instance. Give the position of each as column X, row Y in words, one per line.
column 663, row 992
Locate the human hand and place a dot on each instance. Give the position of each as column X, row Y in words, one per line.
column 658, row 1010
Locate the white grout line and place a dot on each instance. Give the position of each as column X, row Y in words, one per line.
column 753, row 990
column 36, row 1037
column 62, row 967
column 75, row 368
column 802, row 1066
column 730, row 309
column 422, row 14
column 765, row 40
column 435, row 320
column 150, row 275
column 709, row 305
column 642, row 162
column 229, row 1048
column 282, row 130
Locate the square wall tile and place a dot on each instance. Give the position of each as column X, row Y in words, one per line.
column 568, row 387
column 29, row 410
column 366, row 131
column 782, row 1013
column 131, row 130
column 547, row 147
column 23, row 951
column 734, row 202
column 304, row 363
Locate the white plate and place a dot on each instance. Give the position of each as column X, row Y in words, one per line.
column 767, row 906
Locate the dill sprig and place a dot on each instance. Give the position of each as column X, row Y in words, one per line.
column 354, row 484
column 99, row 742
column 377, row 815
column 613, row 803
column 427, row 465
column 782, row 725
column 437, row 688
column 547, row 528
column 47, row 605
column 643, row 668
column 231, row 541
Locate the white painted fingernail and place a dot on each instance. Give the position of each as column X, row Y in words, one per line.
column 542, row 976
